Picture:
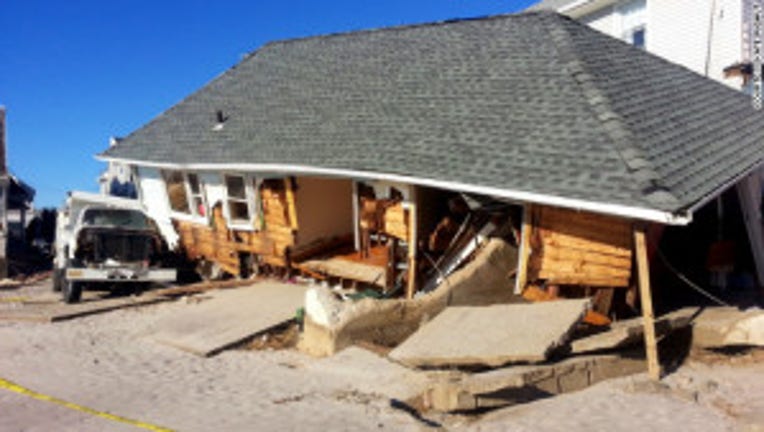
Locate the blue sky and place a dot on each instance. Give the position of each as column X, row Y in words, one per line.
column 74, row 73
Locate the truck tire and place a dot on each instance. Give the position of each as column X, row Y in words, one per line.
column 71, row 291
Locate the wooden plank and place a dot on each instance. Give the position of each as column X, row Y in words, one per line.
column 290, row 186
column 561, row 240
column 648, row 317
column 552, row 267
column 562, row 279
column 525, row 250
column 592, row 234
column 577, row 255
column 412, row 240
column 580, row 220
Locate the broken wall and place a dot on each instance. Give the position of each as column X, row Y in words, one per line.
column 332, row 325
column 578, row 248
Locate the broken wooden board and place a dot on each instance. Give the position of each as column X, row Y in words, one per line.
column 631, row 331
column 50, row 308
column 716, row 327
column 492, row 335
column 230, row 317
column 345, row 269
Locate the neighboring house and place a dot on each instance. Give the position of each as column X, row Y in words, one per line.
column 309, row 141
column 705, row 36
column 16, row 208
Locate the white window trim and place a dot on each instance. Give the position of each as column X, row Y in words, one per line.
column 251, row 187
column 191, row 216
column 190, row 196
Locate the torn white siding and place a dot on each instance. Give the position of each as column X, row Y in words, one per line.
column 154, row 199
column 213, row 188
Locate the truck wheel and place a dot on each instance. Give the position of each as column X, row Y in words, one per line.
column 58, row 279
column 71, row 291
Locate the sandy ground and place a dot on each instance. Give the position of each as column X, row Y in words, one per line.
column 107, row 362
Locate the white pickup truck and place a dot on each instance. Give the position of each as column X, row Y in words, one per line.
column 106, row 242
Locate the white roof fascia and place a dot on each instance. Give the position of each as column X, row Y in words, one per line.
column 521, row 196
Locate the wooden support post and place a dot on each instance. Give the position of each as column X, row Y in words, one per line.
column 643, row 274
column 290, row 186
column 525, row 250
column 412, row 240
column 356, row 218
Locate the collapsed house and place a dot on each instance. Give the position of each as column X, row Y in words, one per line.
column 398, row 163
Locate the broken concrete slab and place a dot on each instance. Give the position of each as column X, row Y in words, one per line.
column 230, row 317
column 332, row 325
column 492, row 335
column 631, row 331
column 728, row 326
column 519, row 384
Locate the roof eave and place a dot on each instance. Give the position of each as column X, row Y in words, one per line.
column 640, row 213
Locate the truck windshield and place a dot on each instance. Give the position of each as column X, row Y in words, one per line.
column 129, row 219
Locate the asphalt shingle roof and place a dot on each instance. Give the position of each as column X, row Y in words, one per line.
column 533, row 102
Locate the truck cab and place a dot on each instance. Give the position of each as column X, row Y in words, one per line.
column 106, row 242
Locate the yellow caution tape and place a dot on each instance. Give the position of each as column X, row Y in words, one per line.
column 43, row 397
column 13, row 299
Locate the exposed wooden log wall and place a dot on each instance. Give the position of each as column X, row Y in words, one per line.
column 272, row 242
column 575, row 248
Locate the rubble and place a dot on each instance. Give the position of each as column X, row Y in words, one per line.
column 728, row 327
column 332, row 325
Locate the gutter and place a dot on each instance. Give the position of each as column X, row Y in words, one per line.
column 631, row 212
column 718, row 191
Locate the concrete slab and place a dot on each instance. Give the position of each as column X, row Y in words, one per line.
column 492, row 335
column 230, row 317
column 728, row 326
column 629, row 332
column 526, row 383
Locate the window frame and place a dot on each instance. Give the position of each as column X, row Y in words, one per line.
column 191, row 213
column 194, row 211
column 251, row 199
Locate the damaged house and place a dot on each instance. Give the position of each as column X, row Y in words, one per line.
column 396, row 162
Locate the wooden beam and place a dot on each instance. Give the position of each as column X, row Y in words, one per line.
column 412, row 240
column 525, row 250
column 289, row 184
column 648, row 317
column 356, row 218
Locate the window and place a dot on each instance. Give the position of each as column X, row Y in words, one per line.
column 638, row 37
column 185, row 192
column 176, row 191
column 239, row 211
column 198, row 206
column 633, row 22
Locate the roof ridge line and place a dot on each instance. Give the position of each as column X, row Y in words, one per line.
column 650, row 182
column 404, row 27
